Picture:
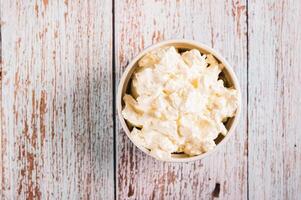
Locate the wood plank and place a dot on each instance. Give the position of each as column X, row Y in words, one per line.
column 274, row 99
column 220, row 24
column 56, row 129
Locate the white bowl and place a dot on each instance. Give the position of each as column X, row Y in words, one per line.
column 229, row 78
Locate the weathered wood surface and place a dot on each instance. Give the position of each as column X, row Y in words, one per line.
column 219, row 24
column 57, row 120
column 274, row 100
column 56, row 109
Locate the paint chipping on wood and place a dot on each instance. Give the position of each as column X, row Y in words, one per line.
column 36, row 9
column 216, row 190
column 57, row 138
column 45, row 2
column 140, row 27
column 56, row 77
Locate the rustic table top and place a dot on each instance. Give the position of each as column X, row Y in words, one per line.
column 61, row 62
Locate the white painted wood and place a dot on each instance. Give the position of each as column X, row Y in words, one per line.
column 219, row 24
column 56, row 108
column 274, row 100
column 56, row 138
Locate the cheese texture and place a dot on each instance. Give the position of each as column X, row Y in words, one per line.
column 178, row 103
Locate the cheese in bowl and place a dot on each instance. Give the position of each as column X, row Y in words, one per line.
column 176, row 102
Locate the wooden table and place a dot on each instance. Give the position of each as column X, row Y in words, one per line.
column 60, row 66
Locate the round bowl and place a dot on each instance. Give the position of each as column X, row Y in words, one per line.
column 227, row 75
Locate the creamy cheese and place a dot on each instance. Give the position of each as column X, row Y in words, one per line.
column 178, row 103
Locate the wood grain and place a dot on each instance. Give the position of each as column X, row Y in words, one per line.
column 274, row 100
column 57, row 83
column 220, row 24
column 56, row 108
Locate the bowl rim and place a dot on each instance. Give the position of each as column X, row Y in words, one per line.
column 199, row 46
